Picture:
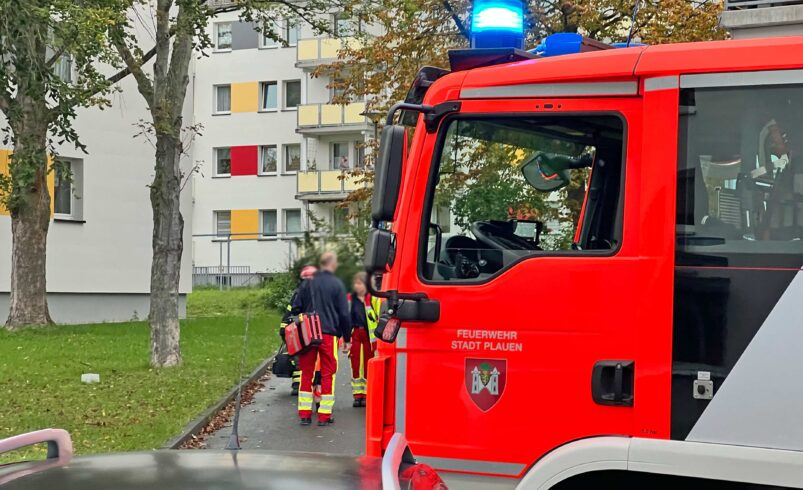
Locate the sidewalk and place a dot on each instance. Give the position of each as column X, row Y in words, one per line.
column 271, row 422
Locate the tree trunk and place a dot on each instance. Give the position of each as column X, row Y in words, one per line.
column 168, row 231
column 30, row 220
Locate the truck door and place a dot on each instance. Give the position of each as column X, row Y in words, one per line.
column 554, row 286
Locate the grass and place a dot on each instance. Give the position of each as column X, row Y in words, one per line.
column 133, row 407
column 212, row 302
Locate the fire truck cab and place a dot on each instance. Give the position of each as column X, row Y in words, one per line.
column 591, row 268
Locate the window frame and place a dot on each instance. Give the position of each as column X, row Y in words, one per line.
column 215, row 215
column 215, row 98
column 76, row 190
column 426, row 210
column 262, row 86
column 335, row 165
column 216, row 27
column 285, row 158
column 262, row 234
column 285, row 107
column 289, row 24
column 261, row 152
column 214, row 153
column 287, row 232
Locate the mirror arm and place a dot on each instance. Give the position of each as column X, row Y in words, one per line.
column 405, row 106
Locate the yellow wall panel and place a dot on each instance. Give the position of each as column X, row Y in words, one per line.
column 307, row 49
column 352, row 113
column 329, row 48
column 350, row 183
column 307, row 182
column 244, row 221
column 308, row 115
column 331, row 114
column 4, row 156
column 245, row 97
column 330, row 181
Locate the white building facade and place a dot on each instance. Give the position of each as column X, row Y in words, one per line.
column 275, row 153
column 99, row 242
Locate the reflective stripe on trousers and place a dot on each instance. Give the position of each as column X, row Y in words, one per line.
column 304, row 400
column 327, row 404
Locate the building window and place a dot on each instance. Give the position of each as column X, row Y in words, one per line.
column 223, row 36
column 292, row 158
column 268, row 223
column 359, row 149
column 223, row 223
column 222, row 99
column 271, row 29
column 345, row 25
column 291, row 31
column 340, row 220
column 292, row 221
column 267, row 159
column 63, row 68
column 340, row 156
column 68, row 190
column 223, row 161
column 269, row 96
column 292, row 94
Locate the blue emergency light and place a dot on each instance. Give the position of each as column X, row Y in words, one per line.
column 497, row 24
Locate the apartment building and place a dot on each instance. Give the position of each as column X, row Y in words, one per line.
column 274, row 153
column 99, row 243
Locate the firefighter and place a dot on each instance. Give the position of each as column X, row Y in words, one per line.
column 325, row 296
column 364, row 315
column 306, row 273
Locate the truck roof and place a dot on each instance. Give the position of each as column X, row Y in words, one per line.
column 642, row 61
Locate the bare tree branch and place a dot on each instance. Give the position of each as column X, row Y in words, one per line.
column 457, row 21
column 134, row 67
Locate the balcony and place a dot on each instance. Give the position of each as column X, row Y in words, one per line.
column 331, row 118
column 324, row 185
column 321, row 50
column 762, row 18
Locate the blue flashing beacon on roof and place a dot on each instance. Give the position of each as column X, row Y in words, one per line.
column 497, row 24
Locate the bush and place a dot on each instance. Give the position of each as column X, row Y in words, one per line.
column 279, row 290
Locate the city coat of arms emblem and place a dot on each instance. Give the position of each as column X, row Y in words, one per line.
column 485, row 381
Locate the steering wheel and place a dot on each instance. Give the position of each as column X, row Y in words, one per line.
column 499, row 235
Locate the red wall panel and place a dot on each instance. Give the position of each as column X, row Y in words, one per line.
column 244, row 160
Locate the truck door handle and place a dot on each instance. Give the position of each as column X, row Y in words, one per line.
column 612, row 383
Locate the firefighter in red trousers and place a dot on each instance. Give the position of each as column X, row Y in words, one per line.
column 364, row 315
column 325, row 295
column 306, row 273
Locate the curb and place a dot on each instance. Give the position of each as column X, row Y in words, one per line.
column 196, row 425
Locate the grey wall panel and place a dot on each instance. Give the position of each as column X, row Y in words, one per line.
column 79, row 308
column 243, row 36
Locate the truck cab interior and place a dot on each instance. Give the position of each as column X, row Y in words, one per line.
column 503, row 189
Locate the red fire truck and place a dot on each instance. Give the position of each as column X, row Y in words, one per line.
column 591, row 266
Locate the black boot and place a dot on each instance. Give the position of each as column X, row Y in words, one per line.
column 306, row 421
column 324, row 423
column 357, row 403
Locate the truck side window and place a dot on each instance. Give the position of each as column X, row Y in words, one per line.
column 507, row 188
column 740, row 177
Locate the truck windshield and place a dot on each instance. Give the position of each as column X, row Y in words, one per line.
column 511, row 187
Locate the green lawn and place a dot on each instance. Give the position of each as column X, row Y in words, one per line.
column 212, row 302
column 134, row 407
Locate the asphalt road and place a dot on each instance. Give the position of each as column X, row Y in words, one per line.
column 271, row 422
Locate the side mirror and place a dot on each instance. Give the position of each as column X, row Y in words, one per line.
column 387, row 176
column 380, row 251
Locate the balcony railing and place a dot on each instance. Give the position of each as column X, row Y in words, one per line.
column 330, row 115
column 310, row 52
column 332, row 183
column 745, row 4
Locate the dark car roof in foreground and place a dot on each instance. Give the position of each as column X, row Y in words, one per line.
column 200, row 470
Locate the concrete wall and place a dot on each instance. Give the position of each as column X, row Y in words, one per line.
column 81, row 308
column 764, row 22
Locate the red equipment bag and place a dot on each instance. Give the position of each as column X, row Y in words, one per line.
column 303, row 333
